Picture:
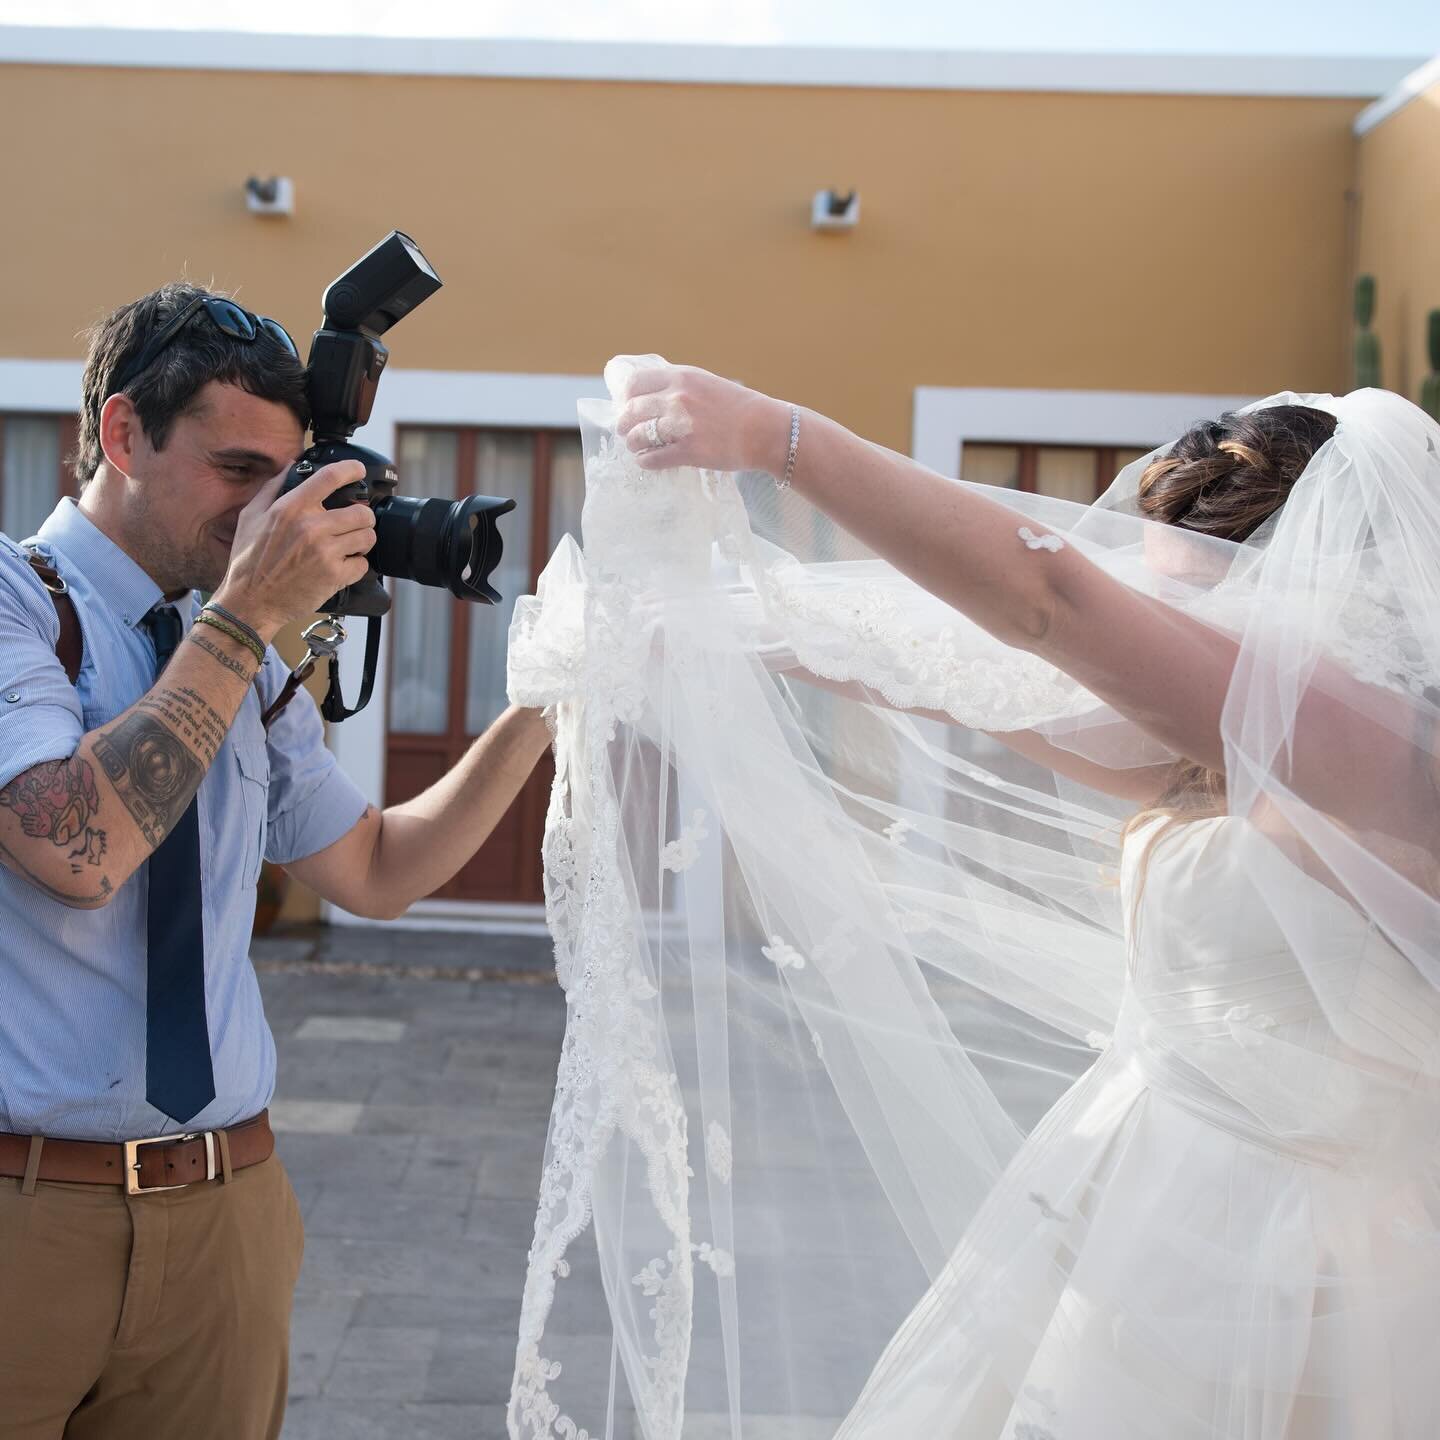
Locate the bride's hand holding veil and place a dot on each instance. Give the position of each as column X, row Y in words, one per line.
column 677, row 415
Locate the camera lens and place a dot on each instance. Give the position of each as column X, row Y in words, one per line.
column 439, row 542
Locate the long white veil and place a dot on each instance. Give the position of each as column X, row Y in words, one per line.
column 830, row 966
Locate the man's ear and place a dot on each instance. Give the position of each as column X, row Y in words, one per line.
column 121, row 434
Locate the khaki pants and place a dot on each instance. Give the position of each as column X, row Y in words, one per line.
column 147, row 1317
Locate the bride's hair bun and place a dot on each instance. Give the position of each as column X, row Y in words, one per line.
column 1226, row 477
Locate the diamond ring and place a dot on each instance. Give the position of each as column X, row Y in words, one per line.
column 652, row 433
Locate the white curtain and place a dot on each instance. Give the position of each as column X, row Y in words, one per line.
column 505, row 466
column 420, row 653
column 31, row 474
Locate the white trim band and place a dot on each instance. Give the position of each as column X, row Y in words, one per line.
column 1415, row 84
column 1361, row 78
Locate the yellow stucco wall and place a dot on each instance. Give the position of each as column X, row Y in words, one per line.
column 1032, row 240
column 1399, row 187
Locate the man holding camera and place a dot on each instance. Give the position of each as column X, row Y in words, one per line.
column 149, row 1238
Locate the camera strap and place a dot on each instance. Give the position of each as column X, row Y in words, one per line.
column 333, row 705
column 323, row 639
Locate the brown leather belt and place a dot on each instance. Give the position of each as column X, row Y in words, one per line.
column 168, row 1162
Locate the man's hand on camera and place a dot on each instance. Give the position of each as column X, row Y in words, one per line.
column 291, row 553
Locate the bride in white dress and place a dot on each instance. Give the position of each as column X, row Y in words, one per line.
column 856, row 860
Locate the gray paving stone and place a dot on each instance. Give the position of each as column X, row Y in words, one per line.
column 441, row 1166
column 400, row 1215
column 471, row 1370
column 329, row 1419
column 532, row 1096
column 317, row 1328
column 473, row 1122
column 411, row 1087
column 308, row 1078
column 307, row 1194
column 386, row 1362
column 340, row 1263
column 351, row 1163
column 315, row 1117
column 411, row 1116
column 511, row 1166
column 509, row 1222
column 366, row 1028
column 461, row 1315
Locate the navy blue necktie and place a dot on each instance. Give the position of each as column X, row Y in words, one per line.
column 179, row 1078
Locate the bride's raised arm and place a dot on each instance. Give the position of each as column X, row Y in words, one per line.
column 1352, row 754
column 1140, row 783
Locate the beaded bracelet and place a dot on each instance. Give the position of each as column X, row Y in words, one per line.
column 784, row 482
column 234, row 619
column 234, row 632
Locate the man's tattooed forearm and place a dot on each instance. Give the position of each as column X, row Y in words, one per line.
column 12, row 861
column 55, row 801
column 228, row 661
column 190, row 715
column 152, row 769
column 92, row 850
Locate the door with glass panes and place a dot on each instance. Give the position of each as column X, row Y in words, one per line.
column 447, row 656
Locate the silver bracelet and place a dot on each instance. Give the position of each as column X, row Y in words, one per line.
column 784, row 482
column 235, row 620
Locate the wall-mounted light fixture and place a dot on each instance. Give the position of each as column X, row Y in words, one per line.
column 835, row 210
column 275, row 196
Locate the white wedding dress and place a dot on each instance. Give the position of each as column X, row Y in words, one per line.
column 898, row 1096
column 1164, row 1259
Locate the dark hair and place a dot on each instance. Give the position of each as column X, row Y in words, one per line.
column 166, row 388
column 1223, row 477
column 1226, row 477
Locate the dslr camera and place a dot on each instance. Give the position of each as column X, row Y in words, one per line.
column 435, row 542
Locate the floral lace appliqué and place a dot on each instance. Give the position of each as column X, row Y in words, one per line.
column 682, row 852
column 722, row 1262
column 1040, row 542
column 781, row 955
column 718, row 1155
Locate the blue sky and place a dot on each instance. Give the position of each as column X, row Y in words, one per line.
column 1269, row 27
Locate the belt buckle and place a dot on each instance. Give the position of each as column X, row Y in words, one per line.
column 132, row 1161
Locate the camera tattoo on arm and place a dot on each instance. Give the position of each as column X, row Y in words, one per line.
column 55, row 801
column 152, row 769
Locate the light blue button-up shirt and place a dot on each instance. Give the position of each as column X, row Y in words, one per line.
column 72, row 982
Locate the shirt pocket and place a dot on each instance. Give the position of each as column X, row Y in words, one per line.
column 253, row 762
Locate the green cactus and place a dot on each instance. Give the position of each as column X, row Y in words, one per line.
column 1430, row 389
column 1367, row 343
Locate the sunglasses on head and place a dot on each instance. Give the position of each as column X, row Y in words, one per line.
column 227, row 317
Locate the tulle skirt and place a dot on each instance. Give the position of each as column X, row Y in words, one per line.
column 1144, row 1272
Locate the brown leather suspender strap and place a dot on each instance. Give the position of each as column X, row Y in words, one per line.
column 70, row 647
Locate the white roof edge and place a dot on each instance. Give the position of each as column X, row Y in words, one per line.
column 1298, row 76
column 1417, row 82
